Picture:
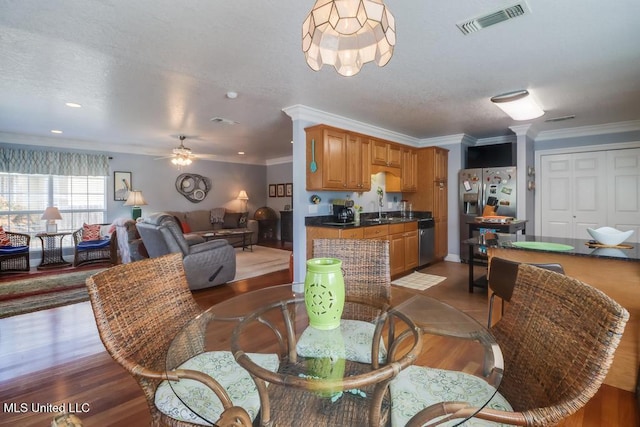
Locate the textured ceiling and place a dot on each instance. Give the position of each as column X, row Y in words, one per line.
column 150, row 70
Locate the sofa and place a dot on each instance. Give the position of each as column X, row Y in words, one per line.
column 204, row 221
column 206, row 264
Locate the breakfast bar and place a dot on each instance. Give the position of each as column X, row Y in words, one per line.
column 614, row 271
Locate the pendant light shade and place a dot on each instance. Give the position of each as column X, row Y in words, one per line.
column 347, row 34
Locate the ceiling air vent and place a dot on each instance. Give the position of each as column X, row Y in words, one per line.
column 223, row 121
column 476, row 24
column 560, row 119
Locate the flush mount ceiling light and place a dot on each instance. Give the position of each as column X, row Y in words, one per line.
column 518, row 104
column 347, row 34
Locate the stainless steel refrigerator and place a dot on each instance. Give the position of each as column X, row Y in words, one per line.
column 480, row 187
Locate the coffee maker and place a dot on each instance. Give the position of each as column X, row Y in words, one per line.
column 344, row 213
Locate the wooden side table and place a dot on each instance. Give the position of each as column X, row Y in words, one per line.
column 52, row 250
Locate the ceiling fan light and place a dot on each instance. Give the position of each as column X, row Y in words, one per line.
column 518, row 104
column 347, row 34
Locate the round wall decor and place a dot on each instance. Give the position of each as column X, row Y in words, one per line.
column 192, row 186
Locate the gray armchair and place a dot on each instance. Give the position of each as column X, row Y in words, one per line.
column 206, row 264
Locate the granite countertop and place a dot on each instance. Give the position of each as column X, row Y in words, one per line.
column 580, row 247
column 366, row 220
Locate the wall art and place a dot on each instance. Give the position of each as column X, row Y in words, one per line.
column 121, row 185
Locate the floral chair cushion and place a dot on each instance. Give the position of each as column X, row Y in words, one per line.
column 416, row 388
column 221, row 366
column 351, row 341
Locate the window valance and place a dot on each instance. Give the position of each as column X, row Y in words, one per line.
column 53, row 163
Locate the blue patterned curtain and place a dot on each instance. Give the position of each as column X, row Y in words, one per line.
column 53, row 163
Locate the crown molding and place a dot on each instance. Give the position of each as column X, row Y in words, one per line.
column 59, row 143
column 607, row 128
column 302, row 112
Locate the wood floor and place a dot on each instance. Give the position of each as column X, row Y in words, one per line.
column 55, row 356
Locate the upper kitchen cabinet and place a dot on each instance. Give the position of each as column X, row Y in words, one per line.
column 385, row 153
column 431, row 194
column 409, row 181
column 337, row 160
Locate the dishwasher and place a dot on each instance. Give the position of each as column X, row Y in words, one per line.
column 426, row 241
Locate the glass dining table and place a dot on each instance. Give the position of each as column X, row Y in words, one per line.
column 334, row 388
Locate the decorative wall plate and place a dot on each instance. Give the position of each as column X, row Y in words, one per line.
column 192, row 186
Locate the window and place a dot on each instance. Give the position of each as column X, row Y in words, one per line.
column 23, row 199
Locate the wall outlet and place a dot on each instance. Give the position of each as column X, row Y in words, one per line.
column 313, row 209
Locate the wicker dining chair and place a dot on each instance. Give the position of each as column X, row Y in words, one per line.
column 367, row 278
column 502, row 279
column 139, row 308
column 558, row 339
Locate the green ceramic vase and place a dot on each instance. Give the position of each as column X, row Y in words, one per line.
column 324, row 292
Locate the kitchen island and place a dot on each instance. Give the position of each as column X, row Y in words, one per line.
column 616, row 272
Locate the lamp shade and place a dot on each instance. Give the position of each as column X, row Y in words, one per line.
column 519, row 105
column 135, row 199
column 243, row 195
column 51, row 213
column 347, row 34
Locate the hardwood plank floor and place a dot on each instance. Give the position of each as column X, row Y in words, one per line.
column 55, row 356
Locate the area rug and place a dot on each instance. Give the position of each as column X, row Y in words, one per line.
column 419, row 281
column 40, row 292
column 261, row 261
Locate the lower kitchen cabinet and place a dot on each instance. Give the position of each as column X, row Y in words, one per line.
column 403, row 241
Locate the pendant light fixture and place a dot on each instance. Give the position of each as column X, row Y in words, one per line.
column 347, row 34
column 518, row 104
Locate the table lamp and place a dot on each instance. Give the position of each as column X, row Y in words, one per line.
column 243, row 196
column 51, row 214
column 136, row 200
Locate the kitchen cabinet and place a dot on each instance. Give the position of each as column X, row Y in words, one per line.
column 331, row 233
column 403, row 247
column 386, row 153
column 409, row 179
column 342, row 159
column 403, row 241
column 431, row 193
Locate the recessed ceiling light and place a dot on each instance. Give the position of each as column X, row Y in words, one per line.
column 56, row 131
column 73, row 105
column 241, row 153
column 232, row 95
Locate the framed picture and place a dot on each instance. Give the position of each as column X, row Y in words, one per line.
column 121, row 185
column 280, row 190
column 288, row 189
column 272, row 190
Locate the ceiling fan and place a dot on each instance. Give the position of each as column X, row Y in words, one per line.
column 181, row 155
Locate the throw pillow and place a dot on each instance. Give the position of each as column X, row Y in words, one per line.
column 231, row 220
column 242, row 222
column 4, row 239
column 185, row 227
column 217, row 215
column 90, row 232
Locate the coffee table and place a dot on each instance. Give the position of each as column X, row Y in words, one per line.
column 236, row 238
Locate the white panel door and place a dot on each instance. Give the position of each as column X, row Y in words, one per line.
column 556, row 194
column 589, row 192
column 623, row 189
column 573, row 193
